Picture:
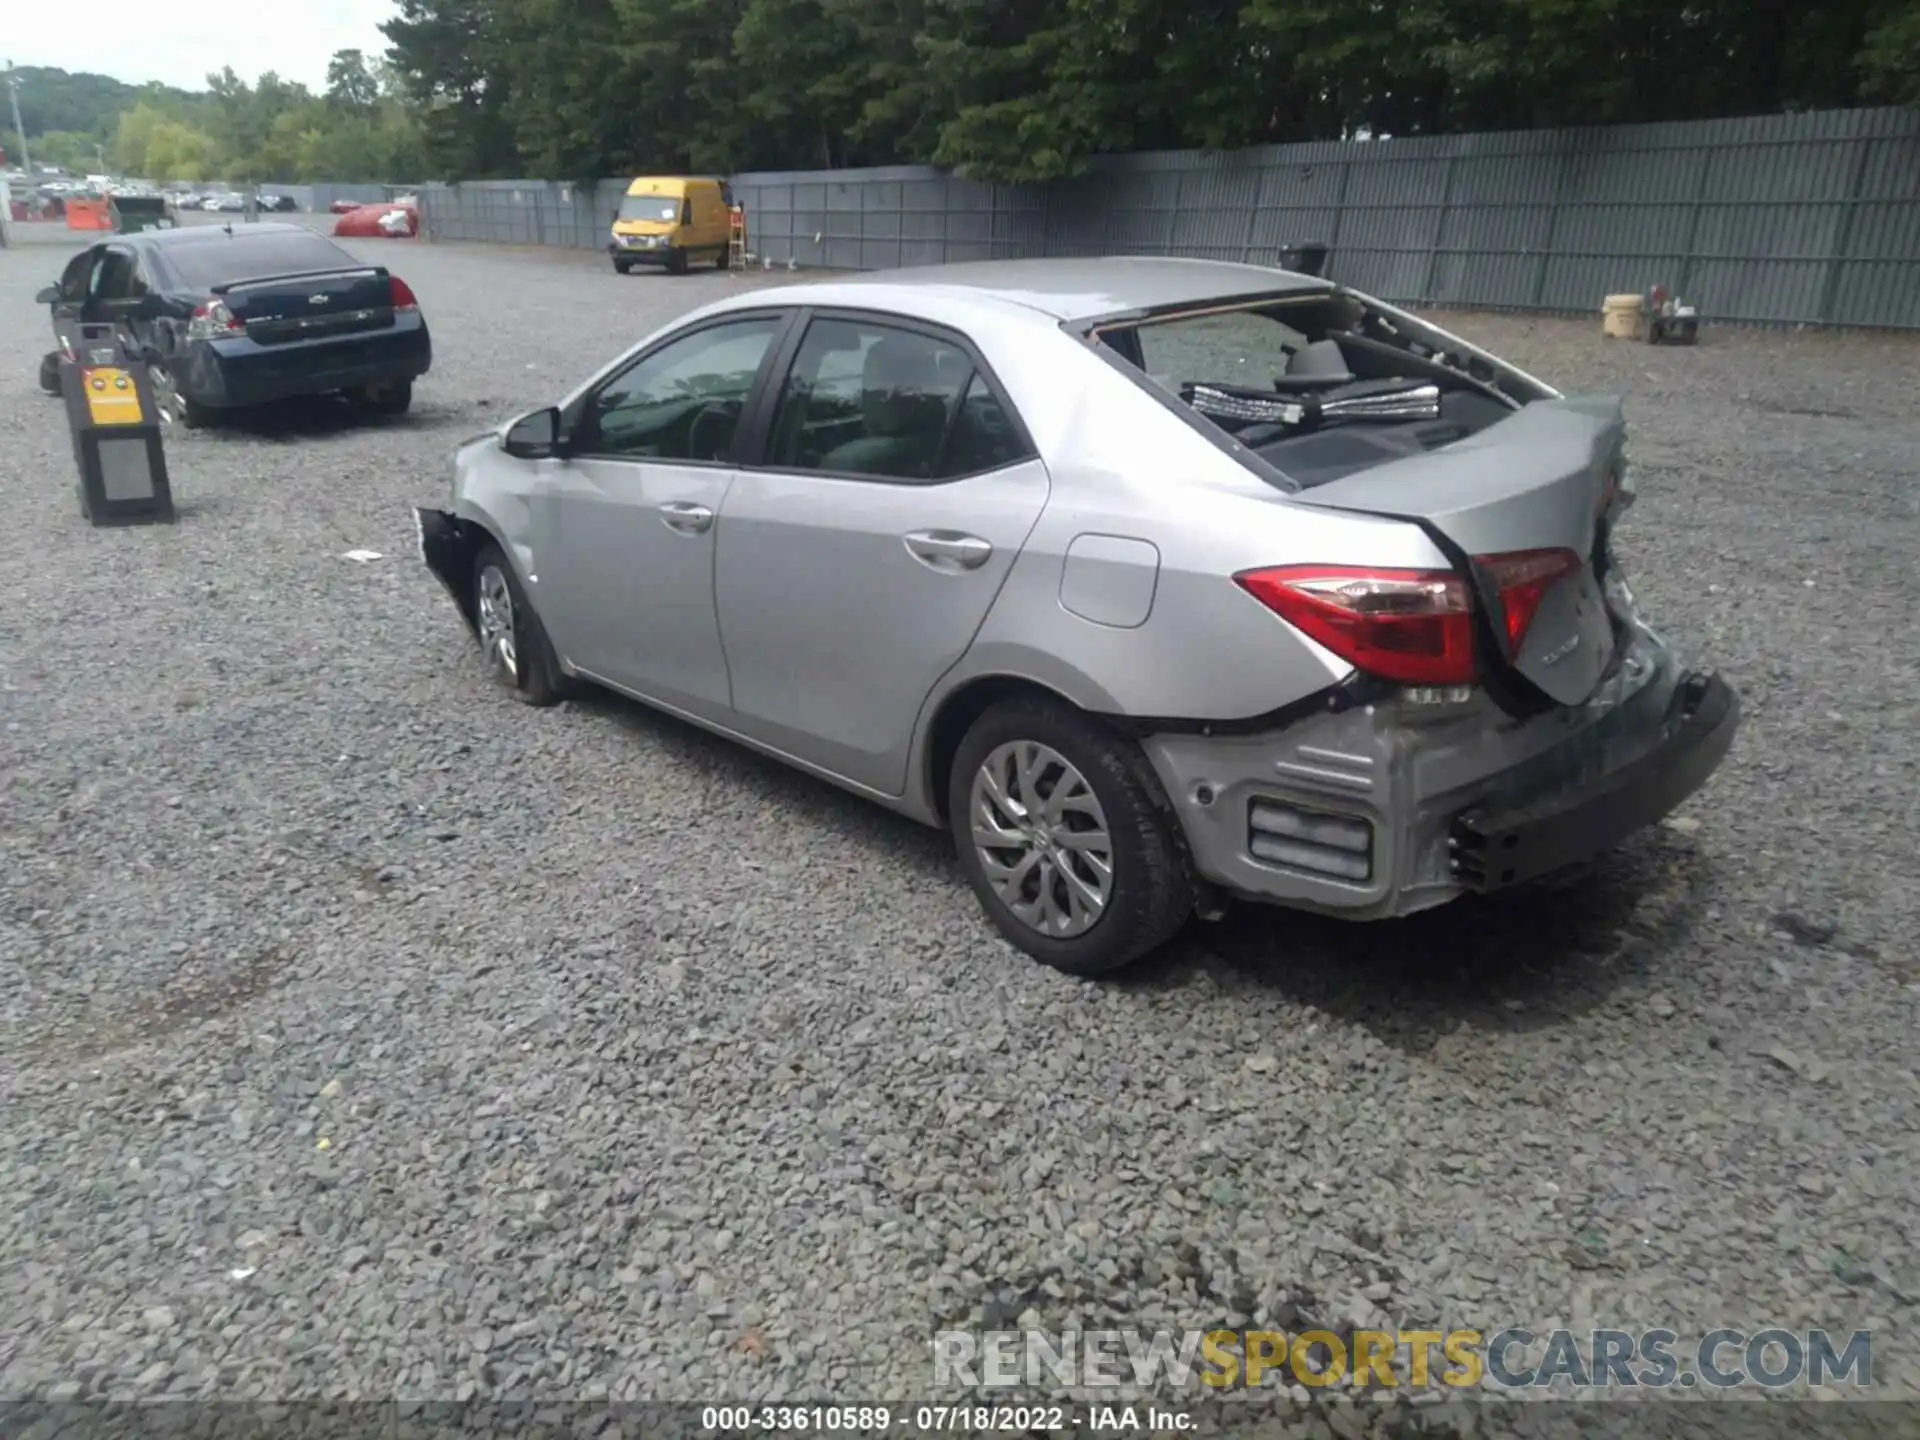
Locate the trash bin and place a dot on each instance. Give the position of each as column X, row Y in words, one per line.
column 133, row 213
column 1308, row 259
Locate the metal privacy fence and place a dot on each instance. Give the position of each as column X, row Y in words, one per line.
column 1810, row 218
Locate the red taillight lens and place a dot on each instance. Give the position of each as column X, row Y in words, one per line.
column 1523, row 578
column 212, row 318
column 402, row 293
column 1414, row 626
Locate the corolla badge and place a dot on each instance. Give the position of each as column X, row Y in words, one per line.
column 1560, row 652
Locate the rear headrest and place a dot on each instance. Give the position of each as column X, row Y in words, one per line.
column 1321, row 359
column 902, row 388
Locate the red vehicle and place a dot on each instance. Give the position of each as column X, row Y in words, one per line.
column 395, row 220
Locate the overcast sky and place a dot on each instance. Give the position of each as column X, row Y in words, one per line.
column 180, row 42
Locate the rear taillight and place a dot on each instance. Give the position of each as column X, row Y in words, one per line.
column 1523, row 578
column 212, row 319
column 402, row 296
column 1414, row 626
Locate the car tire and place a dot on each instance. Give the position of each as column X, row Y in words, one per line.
column 677, row 262
column 1149, row 891
column 392, row 399
column 513, row 643
column 724, row 260
column 177, row 413
column 625, row 267
column 50, row 372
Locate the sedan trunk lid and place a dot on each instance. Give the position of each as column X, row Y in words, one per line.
column 1538, row 481
column 311, row 304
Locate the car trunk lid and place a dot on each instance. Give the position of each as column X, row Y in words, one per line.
column 309, row 305
column 1520, row 508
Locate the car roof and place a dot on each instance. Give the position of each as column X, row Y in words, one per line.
column 1078, row 289
column 183, row 235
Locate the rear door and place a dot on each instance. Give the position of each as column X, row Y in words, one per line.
column 1520, row 503
column 861, row 550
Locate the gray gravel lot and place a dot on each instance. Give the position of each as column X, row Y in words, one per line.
column 365, row 1033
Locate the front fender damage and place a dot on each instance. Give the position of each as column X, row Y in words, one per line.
column 448, row 547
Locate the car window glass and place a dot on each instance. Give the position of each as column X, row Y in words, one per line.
column 683, row 401
column 113, row 276
column 983, row 436
column 870, row 399
column 73, row 280
column 1240, row 347
column 222, row 259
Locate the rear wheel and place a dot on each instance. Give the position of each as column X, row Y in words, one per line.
column 513, row 643
column 1066, row 837
column 724, row 260
column 393, row 398
column 177, row 414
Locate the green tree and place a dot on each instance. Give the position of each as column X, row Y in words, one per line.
column 349, row 81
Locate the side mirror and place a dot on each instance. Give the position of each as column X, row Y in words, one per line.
column 49, row 295
column 534, row 436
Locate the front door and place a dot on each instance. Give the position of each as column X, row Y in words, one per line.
column 857, row 562
column 69, row 309
column 627, row 575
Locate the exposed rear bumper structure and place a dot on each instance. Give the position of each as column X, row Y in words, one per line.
column 1382, row 809
column 1493, row 849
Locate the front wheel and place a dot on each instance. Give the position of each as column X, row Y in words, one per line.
column 1066, row 837
column 625, row 267
column 513, row 642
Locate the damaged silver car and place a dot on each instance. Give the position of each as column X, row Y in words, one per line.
column 1157, row 582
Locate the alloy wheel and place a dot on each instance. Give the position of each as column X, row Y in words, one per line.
column 494, row 618
column 171, row 409
column 1042, row 838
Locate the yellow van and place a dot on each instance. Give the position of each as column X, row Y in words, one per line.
column 670, row 220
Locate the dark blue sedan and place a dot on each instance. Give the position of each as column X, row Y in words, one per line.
column 232, row 316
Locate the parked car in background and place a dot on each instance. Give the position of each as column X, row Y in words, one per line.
column 341, row 207
column 1155, row 581
column 228, row 202
column 242, row 315
column 277, row 203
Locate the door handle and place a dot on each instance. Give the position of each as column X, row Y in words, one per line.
column 686, row 517
column 948, row 550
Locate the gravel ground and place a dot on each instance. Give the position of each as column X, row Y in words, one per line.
column 368, row 1034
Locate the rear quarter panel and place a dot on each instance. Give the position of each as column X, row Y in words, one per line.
column 1125, row 466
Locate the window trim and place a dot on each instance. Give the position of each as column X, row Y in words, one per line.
column 751, row 455
column 572, row 414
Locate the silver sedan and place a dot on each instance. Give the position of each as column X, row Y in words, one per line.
column 1158, row 582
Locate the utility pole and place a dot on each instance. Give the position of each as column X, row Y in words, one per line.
column 13, row 92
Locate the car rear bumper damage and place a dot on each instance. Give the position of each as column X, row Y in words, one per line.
column 1497, row 847
column 238, row 373
column 1385, row 808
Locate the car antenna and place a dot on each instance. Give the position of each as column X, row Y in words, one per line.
column 228, row 227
